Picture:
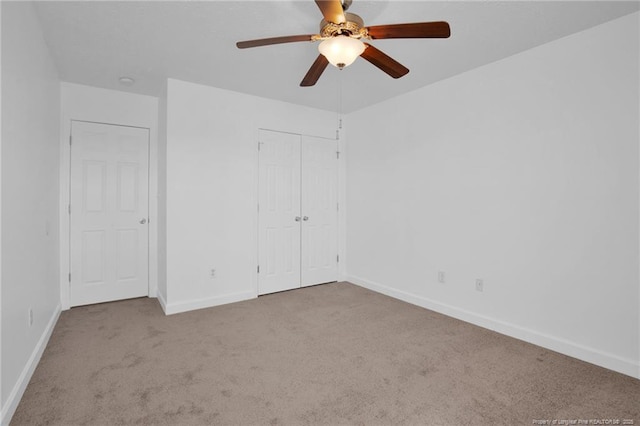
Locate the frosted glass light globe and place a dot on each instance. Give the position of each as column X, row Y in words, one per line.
column 341, row 50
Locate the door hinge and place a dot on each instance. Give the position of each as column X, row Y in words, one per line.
column 337, row 134
column 70, row 137
column 338, row 155
column 338, row 258
column 258, row 207
column 258, row 268
column 69, row 276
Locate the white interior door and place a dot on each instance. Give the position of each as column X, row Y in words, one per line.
column 279, row 212
column 298, row 217
column 319, row 211
column 109, row 212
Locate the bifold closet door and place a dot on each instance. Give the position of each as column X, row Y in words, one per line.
column 319, row 211
column 278, row 212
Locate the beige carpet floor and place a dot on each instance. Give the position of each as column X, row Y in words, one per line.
column 332, row 354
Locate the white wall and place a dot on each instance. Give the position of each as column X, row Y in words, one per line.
column 212, row 188
column 2, row 405
column 30, row 119
column 523, row 173
column 162, row 199
column 112, row 107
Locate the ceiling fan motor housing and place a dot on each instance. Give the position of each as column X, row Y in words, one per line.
column 352, row 27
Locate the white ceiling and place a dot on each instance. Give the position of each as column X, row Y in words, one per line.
column 96, row 42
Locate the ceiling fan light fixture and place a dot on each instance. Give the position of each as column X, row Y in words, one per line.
column 341, row 50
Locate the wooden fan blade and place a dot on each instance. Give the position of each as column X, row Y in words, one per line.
column 273, row 40
column 315, row 71
column 331, row 10
column 387, row 64
column 439, row 29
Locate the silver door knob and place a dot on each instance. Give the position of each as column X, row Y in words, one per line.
column 297, row 218
column 305, row 218
column 143, row 221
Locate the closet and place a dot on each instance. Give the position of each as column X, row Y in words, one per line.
column 297, row 211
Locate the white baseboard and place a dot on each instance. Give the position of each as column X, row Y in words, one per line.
column 162, row 301
column 594, row 356
column 190, row 305
column 21, row 385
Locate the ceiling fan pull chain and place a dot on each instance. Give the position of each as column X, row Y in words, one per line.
column 339, row 106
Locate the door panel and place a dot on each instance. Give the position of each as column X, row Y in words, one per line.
column 109, row 210
column 319, row 210
column 279, row 204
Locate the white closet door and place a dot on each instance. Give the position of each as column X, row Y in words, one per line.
column 279, row 212
column 319, row 211
column 109, row 211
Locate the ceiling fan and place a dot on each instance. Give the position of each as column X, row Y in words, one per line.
column 342, row 33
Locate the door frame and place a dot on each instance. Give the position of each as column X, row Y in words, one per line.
column 65, row 217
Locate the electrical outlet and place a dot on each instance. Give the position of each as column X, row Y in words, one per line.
column 212, row 273
column 479, row 284
column 441, row 278
column 30, row 317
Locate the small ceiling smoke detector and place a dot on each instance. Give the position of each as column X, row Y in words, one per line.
column 126, row 81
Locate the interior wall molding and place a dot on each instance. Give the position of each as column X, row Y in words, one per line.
column 25, row 376
column 610, row 361
column 190, row 305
